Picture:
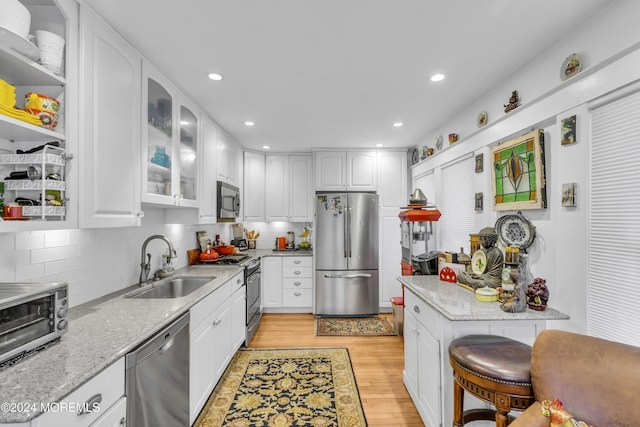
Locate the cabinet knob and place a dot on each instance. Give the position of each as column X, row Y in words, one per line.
column 297, row 294
column 297, row 283
column 239, row 281
column 216, row 322
column 140, row 214
column 297, row 261
column 123, row 422
column 416, row 309
column 297, row 272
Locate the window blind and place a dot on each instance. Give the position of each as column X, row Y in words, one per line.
column 456, row 201
column 613, row 300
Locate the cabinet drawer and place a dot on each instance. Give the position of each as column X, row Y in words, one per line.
column 424, row 313
column 116, row 416
column 296, row 298
column 297, row 282
column 237, row 281
column 297, row 272
column 209, row 304
column 297, row 261
column 106, row 388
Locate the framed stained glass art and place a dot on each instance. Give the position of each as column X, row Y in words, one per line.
column 517, row 173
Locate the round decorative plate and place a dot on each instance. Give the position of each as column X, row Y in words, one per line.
column 439, row 142
column 478, row 262
column 515, row 230
column 571, row 66
column 415, row 156
column 482, row 119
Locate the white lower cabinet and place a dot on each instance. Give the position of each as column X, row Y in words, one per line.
column 297, row 282
column 287, row 284
column 116, row 416
column 92, row 402
column 215, row 337
column 427, row 375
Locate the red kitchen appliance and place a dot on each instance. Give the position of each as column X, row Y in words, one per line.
column 416, row 225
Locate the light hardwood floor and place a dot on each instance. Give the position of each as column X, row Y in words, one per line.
column 377, row 364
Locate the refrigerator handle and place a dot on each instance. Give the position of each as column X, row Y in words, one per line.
column 347, row 276
column 348, row 233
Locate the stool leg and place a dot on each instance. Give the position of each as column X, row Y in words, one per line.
column 503, row 406
column 458, row 404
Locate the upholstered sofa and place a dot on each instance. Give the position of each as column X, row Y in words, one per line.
column 598, row 381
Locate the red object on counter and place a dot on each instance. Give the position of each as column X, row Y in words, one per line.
column 419, row 215
column 225, row 249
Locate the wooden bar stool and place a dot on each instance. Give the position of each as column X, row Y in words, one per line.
column 494, row 369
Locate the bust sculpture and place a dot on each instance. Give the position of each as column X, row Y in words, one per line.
column 492, row 274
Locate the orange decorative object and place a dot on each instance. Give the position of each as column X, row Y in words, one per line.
column 419, row 215
column 44, row 107
column 407, row 268
column 448, row 275
column 225, row 250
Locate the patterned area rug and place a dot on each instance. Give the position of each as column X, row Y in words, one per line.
column 312, row 387
column 327, row 326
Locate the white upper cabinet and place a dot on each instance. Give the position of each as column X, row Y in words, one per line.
column 208, row 174
column 228, row 162
column 345, row 170
column 289, row 186
column 110, row 126
column 169, row 142
column 392, row 178
column 254, row 187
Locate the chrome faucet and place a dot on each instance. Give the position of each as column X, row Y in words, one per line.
column 145, row 265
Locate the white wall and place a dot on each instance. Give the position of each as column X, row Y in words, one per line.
column 610, row 45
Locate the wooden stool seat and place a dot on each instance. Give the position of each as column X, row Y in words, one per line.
column 494, row 369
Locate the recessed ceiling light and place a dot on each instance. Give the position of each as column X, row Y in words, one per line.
column 215, row 76
column 248, row 123
column 266, row 147
column 379, row 145
column 437, row 77
column 398, row 124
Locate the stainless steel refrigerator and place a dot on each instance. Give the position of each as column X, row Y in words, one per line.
column 346, row 250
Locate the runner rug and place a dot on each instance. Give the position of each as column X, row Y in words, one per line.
column 369, row 326
column 286, row 388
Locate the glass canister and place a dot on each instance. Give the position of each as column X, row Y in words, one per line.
column 474, row 243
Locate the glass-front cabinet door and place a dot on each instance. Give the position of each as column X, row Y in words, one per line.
column 169, row 143
column 188, row 149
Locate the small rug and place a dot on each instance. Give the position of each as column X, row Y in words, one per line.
column 312, row 387
column 364, row 326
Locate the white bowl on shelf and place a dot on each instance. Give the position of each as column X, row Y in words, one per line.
column 15, row 17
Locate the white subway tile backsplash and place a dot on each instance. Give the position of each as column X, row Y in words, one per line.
column 63, row 238
column 29, row 273
column 30, row 240
column 54, row 254
column 7, row 242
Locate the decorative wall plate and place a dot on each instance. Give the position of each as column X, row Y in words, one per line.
column 515, row 230
column 482, row 119
column 571, row 66
column 439, row 142
column 415, row 157
column 423, row 152
column 478, row 262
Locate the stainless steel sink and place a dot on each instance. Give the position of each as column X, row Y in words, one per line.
column 174, row 287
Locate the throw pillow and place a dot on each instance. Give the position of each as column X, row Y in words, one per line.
column 558, row 417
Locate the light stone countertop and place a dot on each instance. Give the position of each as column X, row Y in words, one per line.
column 100, row 333
column 457, row 303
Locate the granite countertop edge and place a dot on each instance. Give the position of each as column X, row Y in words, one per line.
column 456, row 303
column 100, row 332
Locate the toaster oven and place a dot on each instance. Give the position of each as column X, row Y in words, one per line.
column 31, row 315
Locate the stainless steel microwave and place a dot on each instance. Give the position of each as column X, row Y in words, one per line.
column 228, row 202
column 31, row 315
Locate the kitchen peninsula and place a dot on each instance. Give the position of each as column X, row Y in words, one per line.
column 436, row 313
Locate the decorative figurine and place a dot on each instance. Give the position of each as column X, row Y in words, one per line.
column 513, row 102
column 538, row 294
column 491, row 275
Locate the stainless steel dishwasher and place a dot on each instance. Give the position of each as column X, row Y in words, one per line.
column 157, row 379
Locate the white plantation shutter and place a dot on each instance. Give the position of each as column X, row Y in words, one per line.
column 457, row 204
column 613, row 301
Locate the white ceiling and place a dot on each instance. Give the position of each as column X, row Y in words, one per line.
column 339, row 73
